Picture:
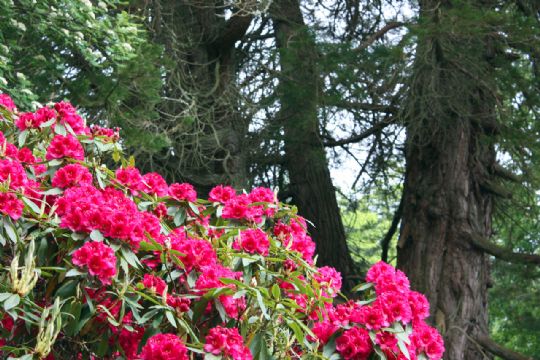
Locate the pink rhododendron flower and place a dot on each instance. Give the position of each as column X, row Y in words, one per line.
column 226, row 342
column 13, row 172
column 98, row 258
column 236, row 208
column 181, row 304
column 67, row 115
column 427, row 340
column 111, row 135
column 10, row 205
column 7, row 102
column 130, row 177
column 253, row 241
column 323, row 331
column 182, row 192
column 154, row 283
column 65, row 146
column 354, row 344
column 164, row 347
column 222, row 194
column 329, row 279
column 154, row 184
column 196, row 253
column 72, row 175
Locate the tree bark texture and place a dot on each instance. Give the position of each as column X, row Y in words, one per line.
column 305, row 157
column 201, row 113
column 449, row 159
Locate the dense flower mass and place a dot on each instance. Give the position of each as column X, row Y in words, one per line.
column 98, row 258
column 228, row 343
column 136, row 268
column 164, row 347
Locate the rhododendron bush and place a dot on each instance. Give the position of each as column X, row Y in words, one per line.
column 114, row 264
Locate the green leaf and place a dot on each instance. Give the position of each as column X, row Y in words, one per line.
column 403, row 349
column 12, row 301
column 276, row 292
column 298, row 333
column 131, row 258
column 362, row 287
column 32, row 205
column 53, row 191
column 169, row 315
column 4, row 296
column 96, row 235
column 10, row 230
column 22, row 137
column 73, row 272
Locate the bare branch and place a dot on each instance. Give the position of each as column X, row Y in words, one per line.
column 385, row 242
column 379, row 34
column 487, row 343
column 359, row 137
column 502, row 253
column 351, row 105
column 234, row 31
column 501, row 172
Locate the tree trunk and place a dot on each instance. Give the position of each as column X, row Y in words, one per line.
column 200, row 114
column 447, row 197
column 305, row 158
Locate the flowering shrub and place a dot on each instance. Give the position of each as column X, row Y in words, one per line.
column 102, row 264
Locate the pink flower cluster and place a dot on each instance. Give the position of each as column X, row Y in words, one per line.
column 65, row 147
column 210, row 278
column 63, row 113
column 10, row 205
column 85, row 208
column 196, row 253
column 226, row 342
column 98, row 258
column 294, row 236
column 72, row 175
column 245, row 206
column 329, row 280
column 253, row 241
column 7, row 102
column 394, row 303
column 164, row 347
column 110, row 210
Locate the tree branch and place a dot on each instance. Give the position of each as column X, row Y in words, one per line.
column 235, row 29
column 385, row 242
column 487, row 343
column 350, row 105
column 502, row 253
column 359, row 137
column 379, row 34
column 501, row 172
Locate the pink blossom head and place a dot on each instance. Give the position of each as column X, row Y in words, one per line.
column 329, row 279
column 98, row 258
column 7, row 102
column 226, row 342
column 354, row 344
column 65, row 146
column 183, row 192
column 253, row 241
column 154, row 184
column 221, row 194
column 72, row 175
column 164, row 347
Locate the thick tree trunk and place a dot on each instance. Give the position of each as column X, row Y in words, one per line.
column 450, row 159
column 306, row 163
column 200, row 114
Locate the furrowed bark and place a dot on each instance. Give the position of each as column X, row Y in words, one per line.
column 449, row 155
column 305, row 158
